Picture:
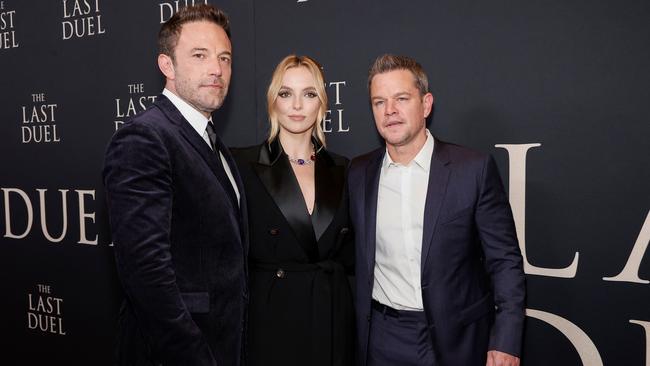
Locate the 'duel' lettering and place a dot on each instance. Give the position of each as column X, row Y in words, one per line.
column 21, row 197
column 45, row 323
column 169, row 8
column 82, row 27
column 39, row 133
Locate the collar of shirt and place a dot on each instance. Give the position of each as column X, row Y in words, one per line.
column 422, row 159
column 197, row 120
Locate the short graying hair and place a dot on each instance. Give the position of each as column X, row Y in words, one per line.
column 388, row 62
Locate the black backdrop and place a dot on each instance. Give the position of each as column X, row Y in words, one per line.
column 557, row 91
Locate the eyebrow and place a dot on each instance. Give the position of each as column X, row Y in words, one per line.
column 307, row 88
column 400, row 94
column 203, row 49
column 396, row 95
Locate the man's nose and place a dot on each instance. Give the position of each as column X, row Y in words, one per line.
column 390, row 108
column 215, row 67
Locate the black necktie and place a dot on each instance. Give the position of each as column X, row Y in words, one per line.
column 218, row 146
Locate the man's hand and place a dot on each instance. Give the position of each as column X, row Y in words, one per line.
column 496, row 358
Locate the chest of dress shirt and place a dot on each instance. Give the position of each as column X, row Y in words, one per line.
column 400, row 215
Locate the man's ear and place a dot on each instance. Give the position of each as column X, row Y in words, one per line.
column 166, row 66
column 427, row 100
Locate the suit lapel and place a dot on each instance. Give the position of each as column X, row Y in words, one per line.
column 242, row 197
column 189, row 133
column 438, row 179
column 276, row 175
column 373, row 171
column 328, row 180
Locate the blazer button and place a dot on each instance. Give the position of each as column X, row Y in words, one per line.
column 280, row 273
column 274, row 231
column 368, row 317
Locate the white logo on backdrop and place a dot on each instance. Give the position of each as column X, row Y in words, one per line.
column 334, row 120
column 585, row 347
column 45, row 311
column 580, row 340
column 169, row 8
column 517, row 154
column 517, row 196
column 23, row 226
column 7, row 32
column 630, row 272
column 39, row 121
column 136, row 102
column 81, row 18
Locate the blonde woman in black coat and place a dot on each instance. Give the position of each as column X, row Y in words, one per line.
column 300, row 255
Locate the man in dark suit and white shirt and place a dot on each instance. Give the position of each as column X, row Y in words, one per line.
column 439, row 278
column 177, row 211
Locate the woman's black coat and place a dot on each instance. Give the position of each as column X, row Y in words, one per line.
column 301, row 310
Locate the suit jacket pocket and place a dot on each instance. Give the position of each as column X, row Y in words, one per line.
column 456, row 215
column 196, row 302
column 477, row 310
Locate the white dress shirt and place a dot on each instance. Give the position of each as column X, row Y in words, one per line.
column 199, row 122
column 400, row 215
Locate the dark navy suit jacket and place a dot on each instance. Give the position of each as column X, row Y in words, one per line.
column 180, row 244
column 471, row 271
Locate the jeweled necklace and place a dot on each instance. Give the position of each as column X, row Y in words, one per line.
column 300, row 161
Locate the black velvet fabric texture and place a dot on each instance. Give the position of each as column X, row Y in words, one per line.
column 180, row 244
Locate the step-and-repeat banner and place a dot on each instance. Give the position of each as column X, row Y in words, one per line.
column 557, row 91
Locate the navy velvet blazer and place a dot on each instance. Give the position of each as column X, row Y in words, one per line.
column 471, row 270
column 180, row 244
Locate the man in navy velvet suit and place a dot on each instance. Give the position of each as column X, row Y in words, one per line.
column 438, row 268
column 176, row 209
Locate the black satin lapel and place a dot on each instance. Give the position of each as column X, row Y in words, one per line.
column 373, row 171
column 438, row 179
column 329, row 188
column 282, row 186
